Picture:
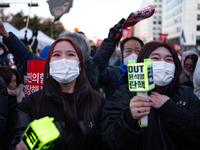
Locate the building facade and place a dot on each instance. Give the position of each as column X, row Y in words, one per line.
column 180, row 19
column 150, row 29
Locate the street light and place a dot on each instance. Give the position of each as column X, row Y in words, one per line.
column 4, row 5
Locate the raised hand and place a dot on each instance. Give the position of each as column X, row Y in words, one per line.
column 3, row 32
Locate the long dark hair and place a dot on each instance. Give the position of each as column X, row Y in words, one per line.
column 92, row 105
column 148, row 48
column 6, row 73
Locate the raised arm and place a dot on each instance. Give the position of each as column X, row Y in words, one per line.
column 19, row 50
column 107, row 47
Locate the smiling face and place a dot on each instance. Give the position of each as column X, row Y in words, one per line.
column 64, row 50
column 162, row 54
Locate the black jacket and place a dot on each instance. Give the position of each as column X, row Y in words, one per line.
column 108, row 75
column 52, row 106
column 3, row 108
column 175, row 125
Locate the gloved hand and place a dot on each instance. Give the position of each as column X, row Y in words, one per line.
column 112, row 38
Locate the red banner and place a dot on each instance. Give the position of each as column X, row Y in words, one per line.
column 99, row 41
column 177, row 47
column 141, row 14
column 163, row 37
column 34, row 76
column 125, row 33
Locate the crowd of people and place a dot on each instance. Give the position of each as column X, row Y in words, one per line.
column 90, row 99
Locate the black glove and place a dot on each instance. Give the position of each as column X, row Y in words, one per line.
column 112, row 38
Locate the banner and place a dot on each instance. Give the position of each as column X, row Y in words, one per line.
column 99, row 41
column 59, row 7
column 34, row 76
column 141, row 14
column 125, row 33
column 177, row 47
column 163, row 37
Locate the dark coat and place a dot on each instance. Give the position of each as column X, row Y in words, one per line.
column 108, row 75
column 175, row 125
column 3, row 107
column 22, row 54
column 52, row 106
column 92, row 72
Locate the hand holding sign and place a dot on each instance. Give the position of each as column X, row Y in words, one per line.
column 141, row 14
column 140, row 78
column 139, row 107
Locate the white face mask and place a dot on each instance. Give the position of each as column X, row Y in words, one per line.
column 133, row 56
column 64, row 70
column 163, row 72
column 1, row 52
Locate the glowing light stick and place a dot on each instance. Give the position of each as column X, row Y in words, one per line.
column 40, row 134
column 140, row 80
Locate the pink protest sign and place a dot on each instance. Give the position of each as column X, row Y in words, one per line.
column 34, row 76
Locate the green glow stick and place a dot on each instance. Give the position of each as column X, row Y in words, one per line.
column 140, row 80
column 40, row 134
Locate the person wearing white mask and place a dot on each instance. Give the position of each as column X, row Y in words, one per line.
column 67, row 96
column 4, row 61
column 173, row 110
column 112, row 76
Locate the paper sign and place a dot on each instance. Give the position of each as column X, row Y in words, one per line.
column 140, row 75
column 163, row 37
column 34, row 76
column 141, row 14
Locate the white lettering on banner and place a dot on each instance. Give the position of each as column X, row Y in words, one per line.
column 34, row 77
column 31, row 89
column 41, row 78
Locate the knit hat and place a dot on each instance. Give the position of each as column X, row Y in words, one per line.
column 44, row 51
column 81, row 41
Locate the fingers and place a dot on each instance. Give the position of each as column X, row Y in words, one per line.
column 139, row 98
column 139, row 107
column 143, row 110
column 120, row 23
column 139, row 112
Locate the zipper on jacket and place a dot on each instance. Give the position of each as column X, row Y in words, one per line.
column 161, row 132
